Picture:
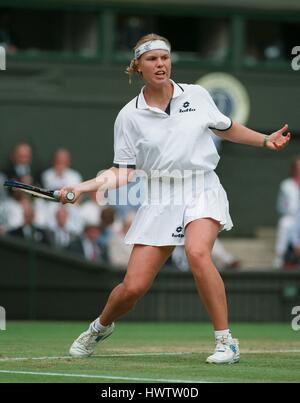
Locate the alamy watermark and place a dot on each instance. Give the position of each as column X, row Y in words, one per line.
column 2, row 58
column 153, row 188
column 296, row 319
column 296, row 60
column 2, row 318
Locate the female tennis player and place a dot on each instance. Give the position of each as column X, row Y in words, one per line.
column 166, row 132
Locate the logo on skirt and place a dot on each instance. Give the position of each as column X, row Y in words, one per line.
column 178, row 235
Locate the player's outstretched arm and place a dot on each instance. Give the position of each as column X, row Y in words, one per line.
column 110, row 179
column 242, row 135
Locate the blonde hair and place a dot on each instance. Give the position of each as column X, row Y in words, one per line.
column 132, row 68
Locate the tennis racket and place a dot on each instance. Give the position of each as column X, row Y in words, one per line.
column 53, row 195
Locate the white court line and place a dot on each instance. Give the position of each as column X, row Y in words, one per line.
column 149, row 354
column 291, row 350
column 118, row 378
column 116, row 355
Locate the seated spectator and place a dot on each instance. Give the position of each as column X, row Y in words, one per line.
column 60, row 174
column 118, row 251
column 20, row 167
column 13, row 210
column 41, row 209
column 86, row 246
column 287, row 207
column 75, row 222
column 5, row 32
column 223, row 258
column 28, row 230
column 62, row 233
column 90, row 209
column 292, row 253
column 107, row 220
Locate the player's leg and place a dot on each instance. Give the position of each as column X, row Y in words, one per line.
column 200, row 236
column 144, row 264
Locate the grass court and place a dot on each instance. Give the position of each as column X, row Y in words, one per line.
column 147, row 352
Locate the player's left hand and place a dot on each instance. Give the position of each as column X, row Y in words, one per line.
column 279, row 139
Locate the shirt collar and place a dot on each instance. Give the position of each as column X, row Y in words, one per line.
column 142, row 104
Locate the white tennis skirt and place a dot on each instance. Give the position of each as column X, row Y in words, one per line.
column 160, row 223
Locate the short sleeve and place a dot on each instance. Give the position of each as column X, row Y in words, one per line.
column 124, row 153
column 217, row 120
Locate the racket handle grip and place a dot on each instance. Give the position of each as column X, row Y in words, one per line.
column 70, row 195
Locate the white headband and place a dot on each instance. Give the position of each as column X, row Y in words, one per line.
column 151, row 45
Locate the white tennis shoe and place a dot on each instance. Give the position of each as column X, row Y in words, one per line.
column 85, row 344
column 226, row 352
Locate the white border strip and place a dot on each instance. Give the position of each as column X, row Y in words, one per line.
column 119, row 378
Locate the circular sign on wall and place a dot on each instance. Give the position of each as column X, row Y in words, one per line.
column 229, row 95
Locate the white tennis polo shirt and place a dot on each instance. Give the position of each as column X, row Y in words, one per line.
column 150, row 139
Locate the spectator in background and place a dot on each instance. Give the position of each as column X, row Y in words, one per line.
column 60, row 174
column 28, row 230
column 287, row 207
column 13, row 210
column 291, row 258
column 90, row 209
column 75, row 222
column 223, row 258
column 5, row 32
column 118, row 251
column 20, row 167
column 61, row 228
column 86, row 245
column 107, row 220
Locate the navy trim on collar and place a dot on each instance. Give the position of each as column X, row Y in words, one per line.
column 168, row 108
column 179, row 86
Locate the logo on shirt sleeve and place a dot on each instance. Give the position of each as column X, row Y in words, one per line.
column 186, row 107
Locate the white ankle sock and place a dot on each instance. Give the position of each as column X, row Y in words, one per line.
column 97, row 325
column 223, row 333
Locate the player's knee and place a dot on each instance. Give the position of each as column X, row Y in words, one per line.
column 134, row 291
column 197, row 254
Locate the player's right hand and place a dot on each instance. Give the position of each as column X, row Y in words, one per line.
column 66, row 194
